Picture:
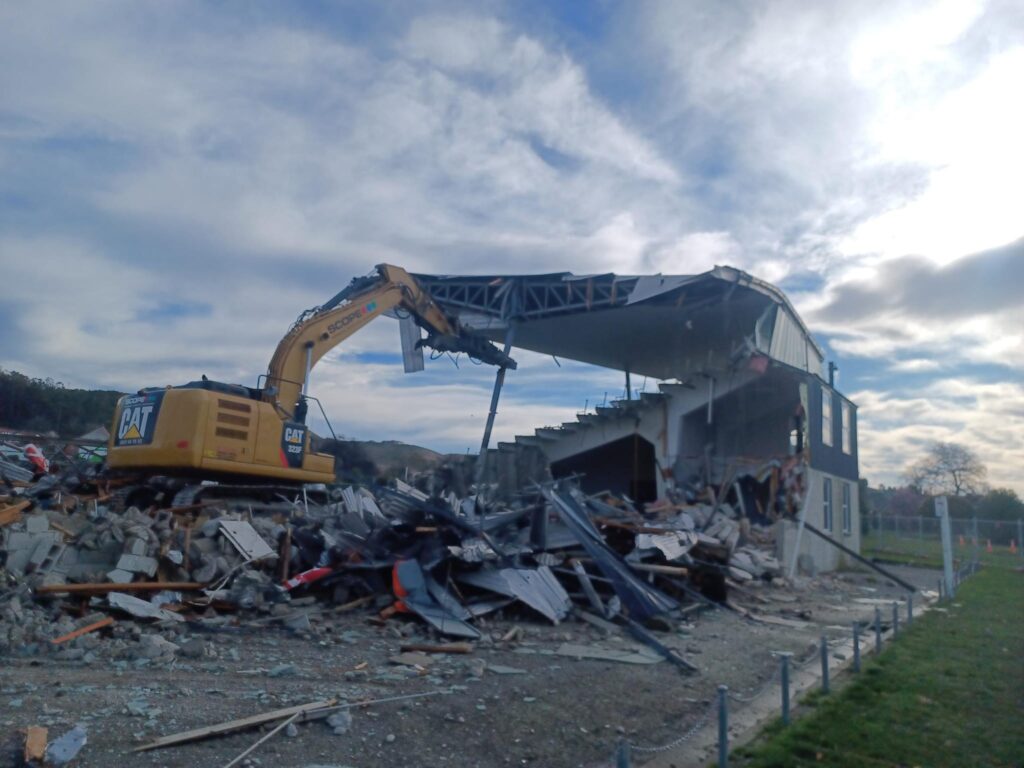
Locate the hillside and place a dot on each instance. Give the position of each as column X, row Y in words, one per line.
column 45, row 405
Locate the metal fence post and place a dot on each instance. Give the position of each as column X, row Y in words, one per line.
column 878, row 629
column 895, row 618
column 856, row 647
column 622, row 754
column 824, row 664
column 910, row 609
column 723, row 726
column 785, row 687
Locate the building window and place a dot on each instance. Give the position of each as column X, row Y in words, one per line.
column 847, row 445
column 827, row 504
column 847, row 519
column 826, row 416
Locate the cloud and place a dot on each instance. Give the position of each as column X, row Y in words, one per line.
column 967, row 310
column 914, row 365
column 896, row 426
column 178, row 182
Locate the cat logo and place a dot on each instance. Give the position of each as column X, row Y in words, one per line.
column 293, row 444
column 137, row 421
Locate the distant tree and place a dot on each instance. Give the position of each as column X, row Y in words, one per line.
column 1001, row 504
column 948, row 468
column 960, row 507
column 905, row 501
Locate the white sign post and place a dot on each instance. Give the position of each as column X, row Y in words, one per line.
column 942, row 512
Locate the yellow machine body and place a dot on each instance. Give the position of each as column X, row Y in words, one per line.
column 199, row 431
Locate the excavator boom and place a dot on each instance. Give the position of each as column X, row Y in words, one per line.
column 319, row 330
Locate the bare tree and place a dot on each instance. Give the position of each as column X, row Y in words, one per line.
column 949, row 468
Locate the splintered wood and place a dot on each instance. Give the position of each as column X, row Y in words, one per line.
column 83, row 631
column 35, row 744
column 12, row 513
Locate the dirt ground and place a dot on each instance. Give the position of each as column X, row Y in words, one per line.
column 507, row 703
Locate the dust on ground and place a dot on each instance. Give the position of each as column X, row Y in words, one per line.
column 508, row 703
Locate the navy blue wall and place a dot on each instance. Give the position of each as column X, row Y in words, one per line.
column 830, row 458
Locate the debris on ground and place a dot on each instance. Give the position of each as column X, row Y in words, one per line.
column 88, row 575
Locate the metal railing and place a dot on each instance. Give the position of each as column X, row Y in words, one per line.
column 720, row 704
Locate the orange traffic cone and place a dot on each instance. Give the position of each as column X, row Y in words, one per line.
column 988, row 545
column 1013, row 547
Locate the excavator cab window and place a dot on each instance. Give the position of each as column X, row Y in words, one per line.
column 301, row 410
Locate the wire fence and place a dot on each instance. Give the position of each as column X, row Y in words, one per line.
column 924, row 528
column 780, row 674
column 918, row 539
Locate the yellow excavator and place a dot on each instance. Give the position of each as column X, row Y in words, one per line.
column 228, row 432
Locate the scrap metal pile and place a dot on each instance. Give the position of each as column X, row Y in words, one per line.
column 75, row 564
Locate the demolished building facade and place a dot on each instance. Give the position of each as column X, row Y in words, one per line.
column 743, row 398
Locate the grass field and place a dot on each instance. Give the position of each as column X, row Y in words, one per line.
column 927, row 553
column 949, row 691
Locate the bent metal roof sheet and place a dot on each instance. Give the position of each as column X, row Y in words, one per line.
column 663, row 326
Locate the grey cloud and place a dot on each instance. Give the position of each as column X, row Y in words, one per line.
column 981, row 284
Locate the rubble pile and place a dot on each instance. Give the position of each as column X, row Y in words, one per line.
column 84, row 577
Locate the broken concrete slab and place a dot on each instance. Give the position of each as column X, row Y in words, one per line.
column 141, row 608
column 137, row 564
column 246, row 540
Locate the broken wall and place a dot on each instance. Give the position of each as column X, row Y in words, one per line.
column 825, row 557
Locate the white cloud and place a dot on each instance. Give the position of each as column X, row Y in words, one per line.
column 895, row 427
column 253, row 166
column 914, row 366
column 970, row 137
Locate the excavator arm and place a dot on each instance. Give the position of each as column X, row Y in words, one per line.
column 319, row 330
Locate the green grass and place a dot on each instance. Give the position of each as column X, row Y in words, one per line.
column 949, row 691
column 907, row 550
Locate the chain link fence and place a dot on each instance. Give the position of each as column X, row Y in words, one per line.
column 918, row 539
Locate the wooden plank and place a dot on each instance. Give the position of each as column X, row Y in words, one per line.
column 668, row 570
column 234, row 725
column 66, row 531
column 286, row 554
column 83, row 631
column 281, row 726
column 440, row 648
column 135, row 586
column 188, row 547
column 35, row 744
column 12, row 514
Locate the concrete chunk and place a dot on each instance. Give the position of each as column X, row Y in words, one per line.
column 37, row 524
column 117, row 576
column 137, row 564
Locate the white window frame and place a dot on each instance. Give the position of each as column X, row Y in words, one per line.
column 826, row 505
column 847, row 510
column 826, row 416
column 847, row 443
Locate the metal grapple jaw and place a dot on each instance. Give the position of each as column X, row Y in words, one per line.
column 471, row 344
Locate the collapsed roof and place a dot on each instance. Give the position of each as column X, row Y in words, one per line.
column 662, row 326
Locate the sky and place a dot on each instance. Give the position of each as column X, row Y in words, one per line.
column 179, row 180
